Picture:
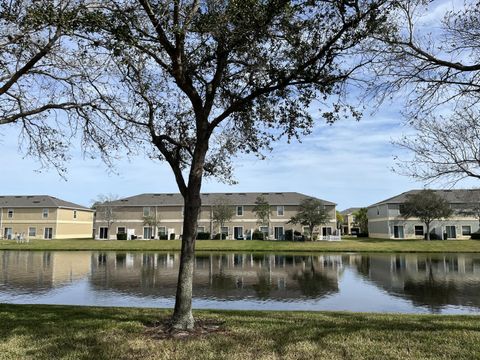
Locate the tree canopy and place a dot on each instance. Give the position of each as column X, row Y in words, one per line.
column 312, row 213
column 427, row 206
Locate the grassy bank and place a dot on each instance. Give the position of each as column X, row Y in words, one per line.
column 61, row 332
column 357, row 245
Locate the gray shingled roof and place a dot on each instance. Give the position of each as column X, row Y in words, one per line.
column 41, row 201
column 454, row 196
column 350, row 210
column 273, row 198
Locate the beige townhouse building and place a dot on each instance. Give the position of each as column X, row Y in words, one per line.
column 43, row 217
column 385, row 218
column 350, row 225
column 165, row 216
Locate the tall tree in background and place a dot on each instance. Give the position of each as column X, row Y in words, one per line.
column 222, row 212
column 361, row 218
column 196, row 82
column 438, row 70
column 311, row 213
column 427, row 206
column 262, row 211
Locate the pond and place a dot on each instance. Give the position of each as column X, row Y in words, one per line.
column 404, row 283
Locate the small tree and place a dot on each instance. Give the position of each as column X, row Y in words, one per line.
column 104, row 211
column 222, row 212
column 262, row 211
column 152, row 221
column 311, row 213
column 426, row 205
column 361, row 218
column 340, row 220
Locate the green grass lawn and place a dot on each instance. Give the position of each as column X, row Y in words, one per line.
column 357, row 245
column 63, row 332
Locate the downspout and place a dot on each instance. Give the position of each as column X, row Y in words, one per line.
column 1, row 222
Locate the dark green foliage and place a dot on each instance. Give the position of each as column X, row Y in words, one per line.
column 427, row 206
column 362, row 235
column 122, row 236
column 203, row 236
column 172, row 236
column 163, row 237
column 475, row 235
column 218, row 235
column 257, row 235
column 311, row 213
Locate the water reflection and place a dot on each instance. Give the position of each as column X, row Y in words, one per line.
column 439, row 283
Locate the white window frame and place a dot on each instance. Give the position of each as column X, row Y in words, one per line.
column 75, row 214
column 200, row 227
column 415, row 231
column 45, row 213
column 45, row 233
column 30, row 232
column 282, row 212
column 280, row 227
column 264, row 227
column 147, row 213
column 223, row 228
column 151, row 232
column 239, row 207
column 469, row 231
column 164, row 232
column 100, row 232
column 8, row 234
column 122, row 227
column 240, row 227
column 10, row 213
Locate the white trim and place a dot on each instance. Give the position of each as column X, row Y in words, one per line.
column 46, row 212
column 151, row 232
column 278, row 227
column 236, row 210
column 149, row 210
column 283, row 210
column 234, row 231
column 8, row 213
column 32, row 227
column 122, row 227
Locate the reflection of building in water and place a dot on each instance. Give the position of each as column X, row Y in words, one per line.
column 432, row 280
column 231, row 276
column 33, row 271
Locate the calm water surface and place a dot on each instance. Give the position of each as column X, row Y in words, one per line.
column 406, row 283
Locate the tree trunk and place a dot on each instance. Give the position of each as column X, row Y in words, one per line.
column 182, row 315
column 311, row 232
column 428, row 231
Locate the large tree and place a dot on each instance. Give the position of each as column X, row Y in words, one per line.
column 361, row 218
column 196, row 82
column 436, row 69
column 312, row 213
column 427, row 206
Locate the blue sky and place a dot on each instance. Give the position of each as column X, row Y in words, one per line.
column 348, row 162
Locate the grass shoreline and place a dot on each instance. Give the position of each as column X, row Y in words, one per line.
column 366, row 245
column 74, row 332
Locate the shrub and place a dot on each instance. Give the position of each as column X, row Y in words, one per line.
column 133, row 237
column 163, row 237
column 217, row 236
column 172, row 236
column 434, row 236
column 121, row 236
column 257, row 235
column 289, row 235
column 203, row 235
column 475, row 235
column 362, row 235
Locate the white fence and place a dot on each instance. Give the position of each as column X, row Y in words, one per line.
column 329, row 237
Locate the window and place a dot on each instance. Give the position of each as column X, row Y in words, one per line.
column 278, row 233
column 32, row 231
column 45, row 213
column 419, row 230
column 200, row 229
column 162, row 231
column 146, row 211
column 239, row 210
column 280, row 210
column 121, row 230
column 264, row 229
column 224, row 230
column 147, row 232
column 103, row 233
column 466, row 230
column 10, row 213
column 238, row 232
column 306, row 230
column 74, row 214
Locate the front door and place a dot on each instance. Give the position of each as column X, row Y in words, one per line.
column 451, row 232
column 103, row 233
column 326, row 231
column 8, row 233
column 238, row 232
column 278, row 231
column 398, row 232
column 48, row 233
column 147, row 232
